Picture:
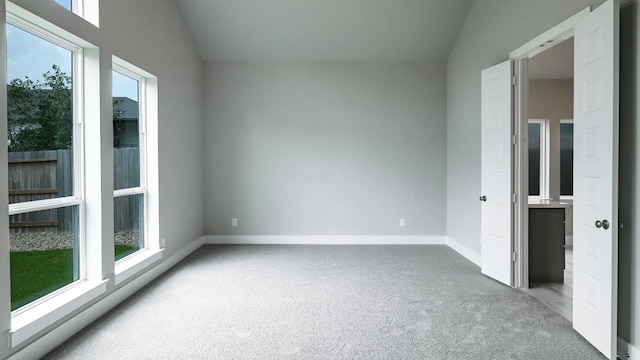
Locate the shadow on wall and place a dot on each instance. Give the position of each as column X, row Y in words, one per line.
column 628, row 189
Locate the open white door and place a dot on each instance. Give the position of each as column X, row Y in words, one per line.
column 595, row 178
column 495, row 226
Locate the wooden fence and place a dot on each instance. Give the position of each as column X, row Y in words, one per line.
column 39, row 175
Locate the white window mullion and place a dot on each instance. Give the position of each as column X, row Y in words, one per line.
column 40, row 205
column 129, row 192
column 142, row 138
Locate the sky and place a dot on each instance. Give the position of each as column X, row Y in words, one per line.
column 28, row 55
column 65, row 3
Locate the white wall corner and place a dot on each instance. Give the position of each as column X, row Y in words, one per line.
column 324, row 240
column 464, row 250
column 624, row 348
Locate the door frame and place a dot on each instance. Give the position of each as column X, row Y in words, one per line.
column 520, row 59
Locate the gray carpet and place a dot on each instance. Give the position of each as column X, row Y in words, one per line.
column 327, row 302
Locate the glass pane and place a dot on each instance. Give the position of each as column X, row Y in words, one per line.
column 40, row 118
column 534, row 159
column 44, row 253
column 126, row 133
column 65, row 3
column 129, row 224
column 566, row 159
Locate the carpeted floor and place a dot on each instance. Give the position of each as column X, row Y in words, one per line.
column 327, row 302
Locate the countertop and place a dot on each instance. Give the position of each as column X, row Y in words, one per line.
column 551, row 204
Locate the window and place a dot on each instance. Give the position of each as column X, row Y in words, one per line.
column 534, row 159
column 129, row 145
column 550, row 159
column 538, row 158
column 45, row 258
column 58, row 231
column 87, row 9
column 65, row 3
column 566, row 158
column 44, row 142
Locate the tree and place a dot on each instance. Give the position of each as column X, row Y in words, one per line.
column 40, row 113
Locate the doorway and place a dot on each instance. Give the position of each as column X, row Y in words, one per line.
column 595, row 172
column 549, row 173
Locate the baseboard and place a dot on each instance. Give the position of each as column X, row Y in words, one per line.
column 624, row 348
column 325, row 240
column 54, row 338
column 464, row 250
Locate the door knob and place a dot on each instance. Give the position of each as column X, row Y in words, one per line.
column 604, row 224
column 483, row 198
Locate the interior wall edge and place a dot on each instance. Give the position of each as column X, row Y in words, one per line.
column 59, row 335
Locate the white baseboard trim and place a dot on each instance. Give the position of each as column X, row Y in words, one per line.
column 464, row 250
column 60, row 334
column 624, row 348
column 458, row 247
column 325, row 240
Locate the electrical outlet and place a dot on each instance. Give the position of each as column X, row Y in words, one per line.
column 234, row 222
column 403, row 223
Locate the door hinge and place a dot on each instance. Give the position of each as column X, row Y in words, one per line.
column 514, row 139
column 514, row 256
column 514, row 198
column 514, row 80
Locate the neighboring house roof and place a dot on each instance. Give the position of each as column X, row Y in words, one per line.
column 127, row 108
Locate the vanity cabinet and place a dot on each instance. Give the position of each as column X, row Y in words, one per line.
column 546, row 243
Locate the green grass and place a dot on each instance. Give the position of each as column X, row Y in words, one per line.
column 124, row 250
column 38, row 273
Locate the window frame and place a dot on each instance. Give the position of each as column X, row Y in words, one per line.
column 77, row 199
column 130, row 265
column 30, row 320
column 86, row 9
column 123, row 69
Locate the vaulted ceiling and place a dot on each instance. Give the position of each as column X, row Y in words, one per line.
column 325, row 30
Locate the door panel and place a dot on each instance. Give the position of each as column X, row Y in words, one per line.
column 595, row 178
column 496, row 208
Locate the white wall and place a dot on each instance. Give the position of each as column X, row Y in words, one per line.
column 325, row 148
column 492, row 30
column 151, row 35
column 163, row 46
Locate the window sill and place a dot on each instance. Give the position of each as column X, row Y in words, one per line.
column 135, row 264
column 32, row 321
